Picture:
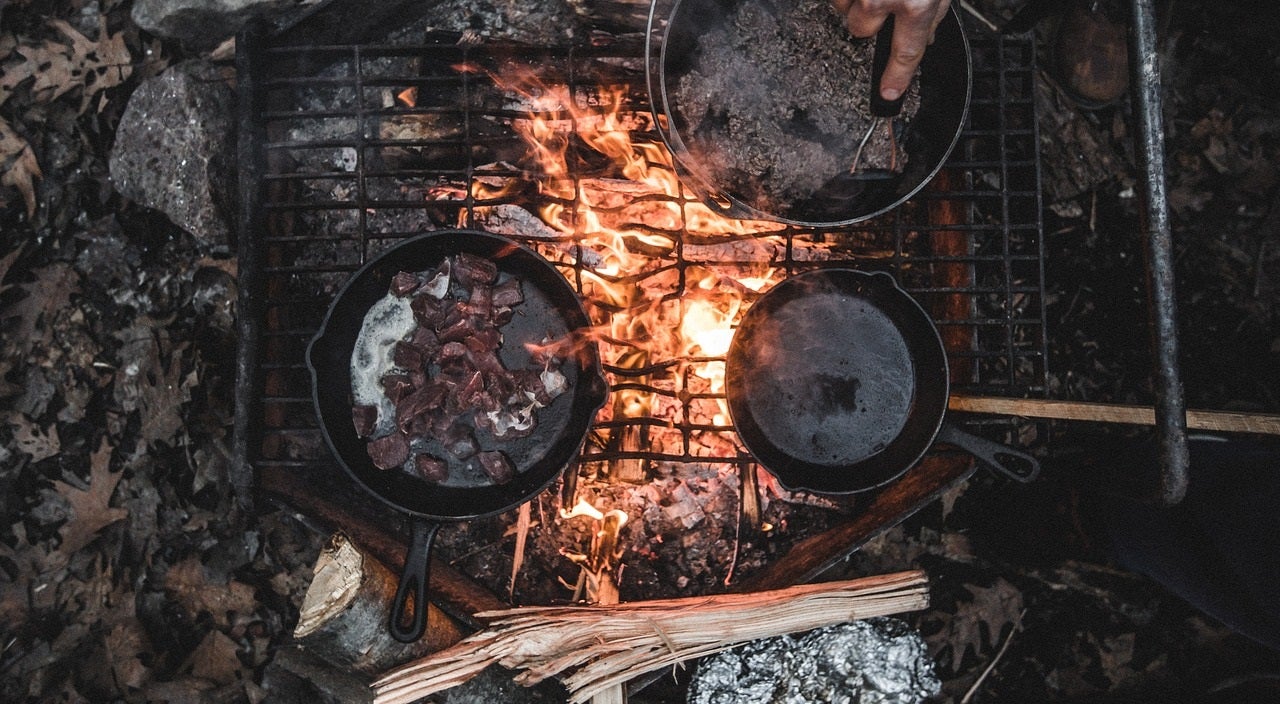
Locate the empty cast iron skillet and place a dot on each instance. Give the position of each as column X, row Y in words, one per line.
column 550, row 307
column 946, row 80
column 837, row 383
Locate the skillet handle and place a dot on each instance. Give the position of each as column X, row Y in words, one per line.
column 992, row 455
column 414, row 580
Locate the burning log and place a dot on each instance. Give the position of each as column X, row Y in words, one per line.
column 630, row 403
column 600, row 647
column 596, row 582
column 343, row 617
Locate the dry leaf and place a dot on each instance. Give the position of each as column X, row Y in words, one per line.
column 49, row 293
column 6, row 263
column 18, row 166
column 90, row 510
column 191, row 586
column 32, row 439
column 57, row 69
column 215, row 659
column 145, row 384
column 996, row 606
column 125, row 644
column 52, row 69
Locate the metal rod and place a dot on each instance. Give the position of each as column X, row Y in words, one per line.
column 1170, row 405
column 245, row 433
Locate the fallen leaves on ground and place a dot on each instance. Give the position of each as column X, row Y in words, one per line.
column 979, row 623
column 47, row 295
column 192, row 586
column 45, row 71
column 56, row 68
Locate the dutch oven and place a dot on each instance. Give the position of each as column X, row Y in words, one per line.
column 837, row 383
column 551, row 307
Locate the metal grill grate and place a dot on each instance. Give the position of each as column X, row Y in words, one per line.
column 353, row 148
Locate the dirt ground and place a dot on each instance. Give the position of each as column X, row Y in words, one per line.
column 126, row 574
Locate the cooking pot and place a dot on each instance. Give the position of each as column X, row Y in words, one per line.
column 945, row 78
column 837, row 383
column 550, row 307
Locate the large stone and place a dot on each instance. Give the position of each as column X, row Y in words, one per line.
column 203, row 24
column 175, row 150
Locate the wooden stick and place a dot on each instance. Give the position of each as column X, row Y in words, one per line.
column 1224, row 421
column 600, row 647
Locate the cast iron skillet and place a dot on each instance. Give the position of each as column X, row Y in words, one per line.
column 550, row 306
column 837, row 383
column 946, row 79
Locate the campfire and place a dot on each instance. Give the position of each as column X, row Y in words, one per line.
column 557, row 149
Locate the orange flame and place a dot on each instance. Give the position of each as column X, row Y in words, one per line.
column 626, row 232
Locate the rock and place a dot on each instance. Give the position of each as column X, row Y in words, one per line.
column 203, row 24
column 175, row 150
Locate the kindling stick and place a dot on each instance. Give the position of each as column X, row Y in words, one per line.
column 593, row 648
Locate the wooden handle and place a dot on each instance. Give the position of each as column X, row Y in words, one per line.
column 1224, row 421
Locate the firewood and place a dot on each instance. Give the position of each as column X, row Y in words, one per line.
column 344, row 615
column 594, row 648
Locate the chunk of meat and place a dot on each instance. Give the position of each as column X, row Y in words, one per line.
column 507, row 294
column 404, row 283
column 408, row 356
column 450, row 385
column 497, row 466
column 470, row 269
column 389, row 451
column 428, row 311
column 432, row 469
column 365, row 418
column 396, row 386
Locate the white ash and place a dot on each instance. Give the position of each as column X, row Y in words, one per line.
column 876, row 661
column 387, row 322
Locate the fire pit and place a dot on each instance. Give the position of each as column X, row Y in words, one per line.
column 350, row 148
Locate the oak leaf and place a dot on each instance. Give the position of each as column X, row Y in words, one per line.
column 18, row 166
column 995, row 607
column 145, row 383
column 48, row 294
column 90, row 510
column 55, row 68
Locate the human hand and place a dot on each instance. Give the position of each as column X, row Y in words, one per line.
column 913, row 26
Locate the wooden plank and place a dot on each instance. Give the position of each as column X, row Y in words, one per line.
column 1223, row 421
column 919, row 487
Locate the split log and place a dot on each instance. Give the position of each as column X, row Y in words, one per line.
column 332, row 499
column 600, row 647
column 344, row 615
